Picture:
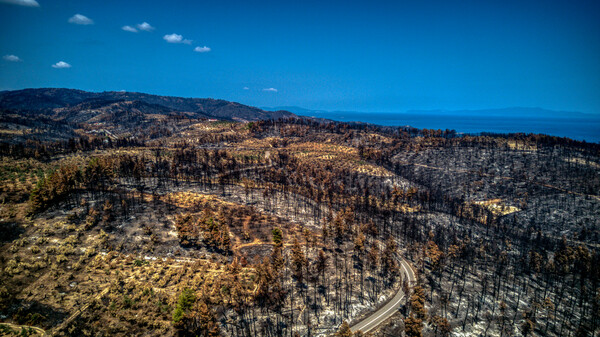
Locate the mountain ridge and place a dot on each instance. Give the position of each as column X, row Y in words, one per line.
column 47, row 99
column 58, row 114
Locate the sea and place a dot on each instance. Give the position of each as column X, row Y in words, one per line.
column 580, row 128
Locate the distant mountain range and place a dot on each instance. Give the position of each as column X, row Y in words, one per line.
column 504, row 112
column 60, row 114
column 72, row 104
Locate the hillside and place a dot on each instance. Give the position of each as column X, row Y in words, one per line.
column 122, row 215
column 42, row 100
column 110, row 113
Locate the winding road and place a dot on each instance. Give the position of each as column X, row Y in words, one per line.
column 372, row 321
column 19, row 328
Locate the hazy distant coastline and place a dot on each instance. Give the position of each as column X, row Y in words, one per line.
column 573, row 125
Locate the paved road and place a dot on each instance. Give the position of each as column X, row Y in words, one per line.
column 18, row 328
column 376, row 318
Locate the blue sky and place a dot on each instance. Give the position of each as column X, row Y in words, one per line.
column 334, row 55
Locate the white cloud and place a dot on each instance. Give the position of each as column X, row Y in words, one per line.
column 176, row 38
column 12, row 58
column 79, row 19
column 270, row 89
column 204, row 49
column 129, row 29
column 246, row 88
column 61, row 65
column 145, row 26
column 27, row 3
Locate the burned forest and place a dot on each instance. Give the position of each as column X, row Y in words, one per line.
column 120, row 222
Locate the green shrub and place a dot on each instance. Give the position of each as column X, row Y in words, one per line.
column 184, row 304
